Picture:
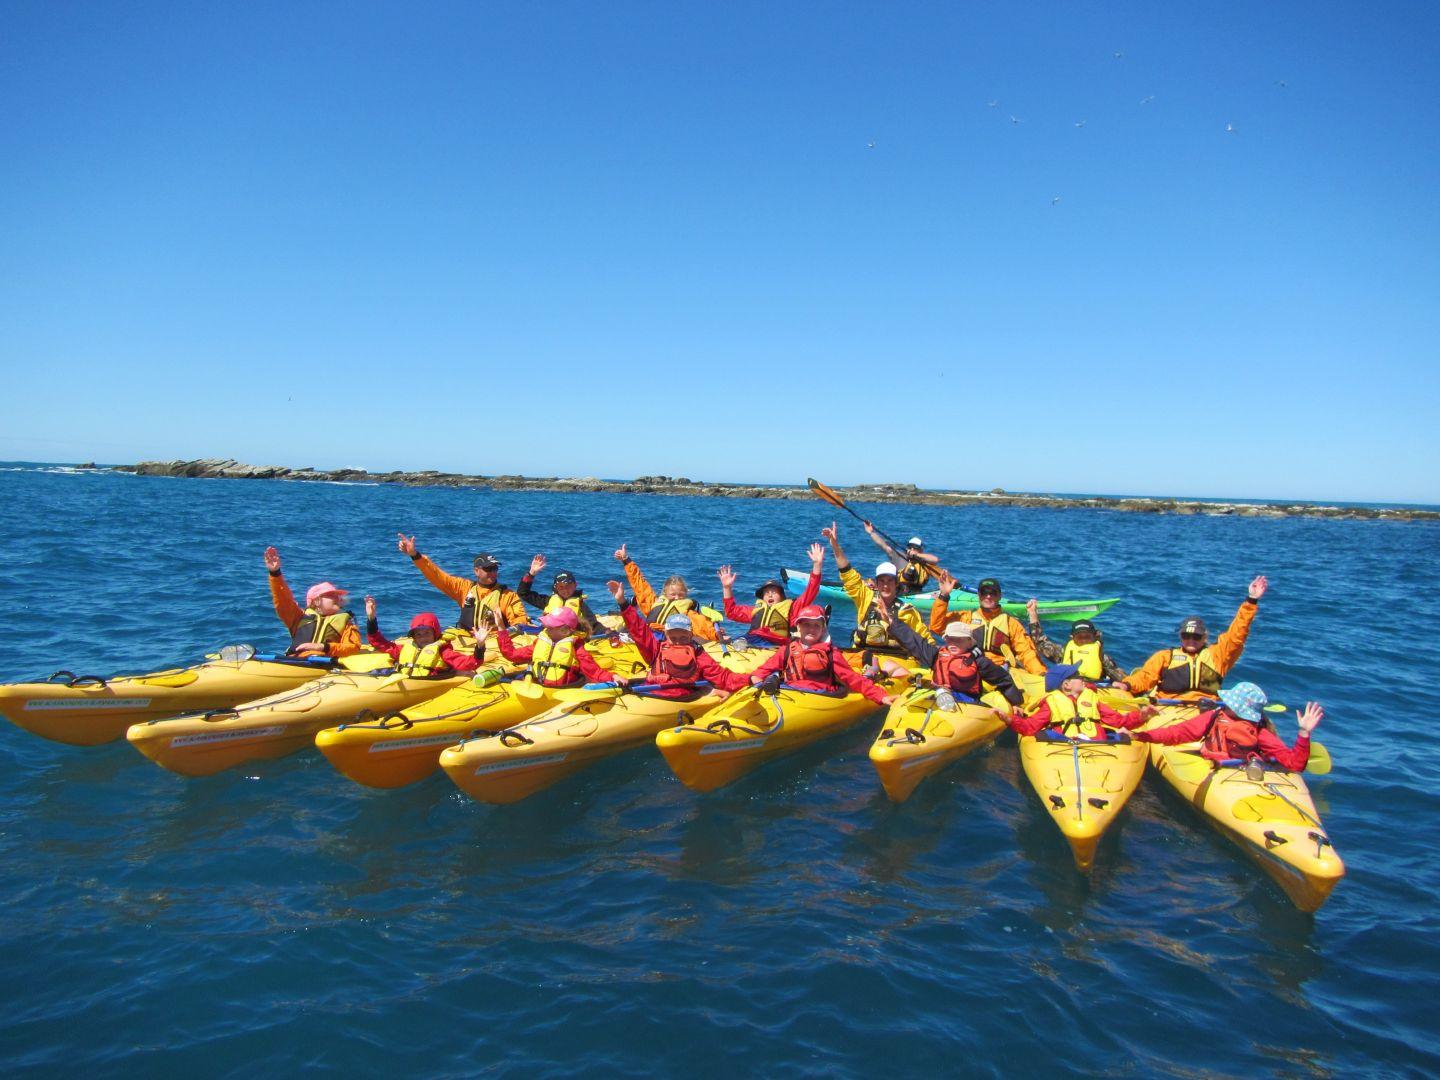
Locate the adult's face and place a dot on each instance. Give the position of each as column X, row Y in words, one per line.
column 989, row 599
column 811, row 631
column 1192, row 643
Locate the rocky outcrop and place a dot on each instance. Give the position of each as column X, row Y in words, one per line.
column 228, row 469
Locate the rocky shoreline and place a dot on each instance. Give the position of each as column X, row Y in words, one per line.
column 215, row 468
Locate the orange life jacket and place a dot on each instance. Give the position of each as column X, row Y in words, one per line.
column 676, row 663
column 956, row 669
column 809, row 663
column 1230, row 738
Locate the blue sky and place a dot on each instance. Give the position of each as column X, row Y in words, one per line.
column 653, row 238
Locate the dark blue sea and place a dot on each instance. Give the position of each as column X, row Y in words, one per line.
column 280, row 917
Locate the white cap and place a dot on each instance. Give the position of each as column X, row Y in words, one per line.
column 958, row 629
column 915, row 541
column 886, row 568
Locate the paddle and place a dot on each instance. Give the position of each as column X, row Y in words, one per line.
column 829, row 495
column 1320, row 762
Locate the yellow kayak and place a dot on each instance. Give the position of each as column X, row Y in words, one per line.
column 1083, row 783
column 88, row 710
column 753, row 727
column 918, row 740
column 280, row 724
column 571, row 736
column 1267, row 811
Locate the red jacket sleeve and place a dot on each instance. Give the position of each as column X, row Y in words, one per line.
column 853, row 680
column 639, row 629
column 806, row 597
column 1116, row 719
column 770, row 666
column 1192, row 730
column 1030, row 723
column 721, row 678
column 737, row 612
column 380, row 641
column 1293, row 758
column 458, row 661
column 592, row 671
column 512, row 652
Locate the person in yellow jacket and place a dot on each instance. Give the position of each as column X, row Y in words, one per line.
column 476, row 598
column 1197, row 669
column 1000, row 635
column 1085, row 649
column 567, row 594
column 323, row 627
column 917, row 566
column 673, row 599
column 871, row 629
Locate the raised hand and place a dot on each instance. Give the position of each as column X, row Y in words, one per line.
column 869, row 528
column 945, row 584
column 1258, row 587
column 272, row 560
column 884, row 609
column 727, row 577
column 1310, row 717
column 481, row 633
column 406, row 544
column 621, row 555
column 817, row 556
column 832, row 533
column 537, row 564
column 370, row 608
column 1032, row 608
column 616, row 590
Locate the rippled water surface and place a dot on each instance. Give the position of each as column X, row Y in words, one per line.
column 280, row 916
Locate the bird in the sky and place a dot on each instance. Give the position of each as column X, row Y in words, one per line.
column 1281, row 83
column 1229, row 129
column 1119, row 56
column 1147, row 100
column 869, row 146
column 1055, row 201
column 1079, row 123
column 1016, row 120
column 993, row 103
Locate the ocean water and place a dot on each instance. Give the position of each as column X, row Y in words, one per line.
column 796, row 923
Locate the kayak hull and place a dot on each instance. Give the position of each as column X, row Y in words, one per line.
column 570, row 737
column 1053, row 610
column 94, row 712
column 1083, row 785
column 919, row 740
column 1272, row 818
column 274, row 726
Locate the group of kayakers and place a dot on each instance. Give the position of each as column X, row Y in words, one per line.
column 971, row 655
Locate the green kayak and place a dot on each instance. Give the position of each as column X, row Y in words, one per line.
column 1054, row 610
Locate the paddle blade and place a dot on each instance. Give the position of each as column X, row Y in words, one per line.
column 1319, row 762
column 825, row 493
column 526, row 689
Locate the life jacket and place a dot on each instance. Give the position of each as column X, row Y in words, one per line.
column 664, row 608
column 676, row 663
column 995, row 637
column 772, row 617
column 1090, row 659
column 871, row 632
column 553, row 663
column 1077, row 717
column 809, row 663
column 554, row 604
column 316, row 629
column 473, row 601
column 957, row 670
column 914, row 576
column 418, row 662
column 1185, row 674
column 1230, row 738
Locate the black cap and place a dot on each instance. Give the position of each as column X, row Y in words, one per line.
column 987, row 583
column 1193, row 625
column 1084, row 624
column 771, row 584
column 564, row 575
column 486, row 559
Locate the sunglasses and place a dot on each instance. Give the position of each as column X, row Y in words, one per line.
column 1192, row 637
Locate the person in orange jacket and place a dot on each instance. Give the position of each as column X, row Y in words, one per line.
column 323, row 627
column 1001, row 636
column 476, row 598
column 673, row 600
column 1197, row 669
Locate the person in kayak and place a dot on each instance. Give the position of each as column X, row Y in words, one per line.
column 917, row 566
column 676, row 662
column 1238, row 731
column 567, row 594
column 871, row 631
column 810, row 661
column 558, row 657
column 1197, row 669
column 476, row 597
column 674, row 599
column 958, row 670
column 772, row 616
column 1072, row 708
column 1085, row 649
column 423, row 651
column 1002, row 636
column 323, row 627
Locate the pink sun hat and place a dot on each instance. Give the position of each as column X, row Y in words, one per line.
column 563, row 619
column 316, row 591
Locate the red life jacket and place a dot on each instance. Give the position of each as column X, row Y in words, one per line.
column 809, row 663
column 676, row 664
column 957, row 670
column 1229, row 738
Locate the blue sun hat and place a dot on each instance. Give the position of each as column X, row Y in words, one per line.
column 1055, row 676
column 1245, row 700
column 677, row 622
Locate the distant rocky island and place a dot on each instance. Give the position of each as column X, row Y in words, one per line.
column 215, row 468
